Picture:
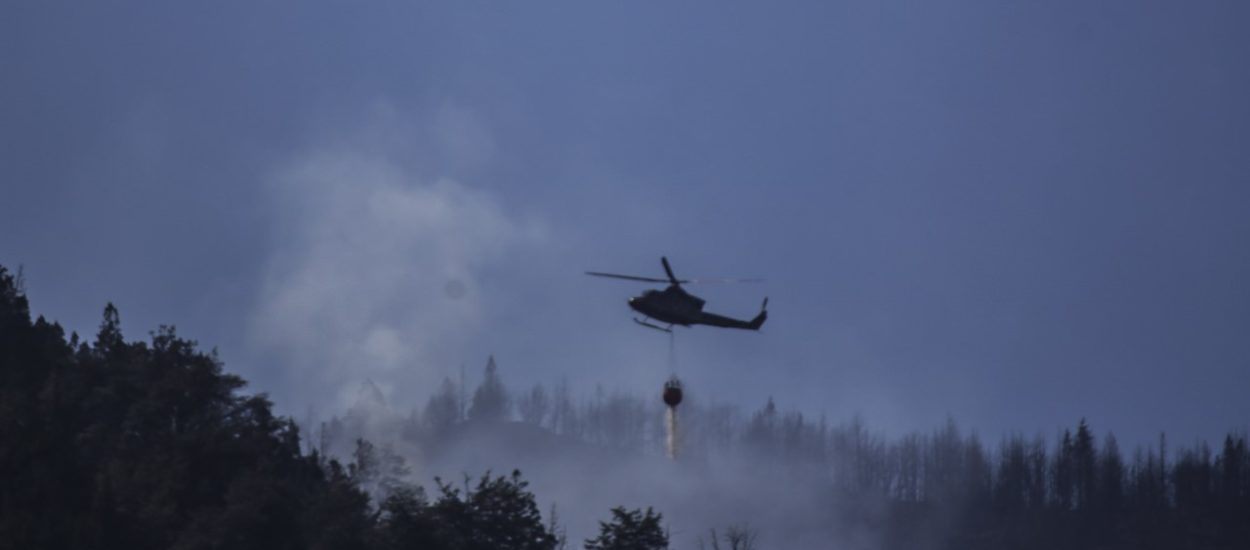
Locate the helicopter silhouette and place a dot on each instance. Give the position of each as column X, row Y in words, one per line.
column 675, row 306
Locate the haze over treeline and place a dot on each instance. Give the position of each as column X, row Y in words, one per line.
column 116, row 443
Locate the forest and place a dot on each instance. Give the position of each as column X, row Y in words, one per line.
column 112, row 443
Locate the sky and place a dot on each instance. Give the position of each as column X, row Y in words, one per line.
column 1017, row 214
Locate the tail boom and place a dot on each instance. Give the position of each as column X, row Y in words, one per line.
column 729, row 322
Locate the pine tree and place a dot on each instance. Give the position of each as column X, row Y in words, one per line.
column 1084, row 466
column 490, row 401
column 109, row 339
column 1063, row 472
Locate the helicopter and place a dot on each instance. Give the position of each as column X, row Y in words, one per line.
column 675, row 306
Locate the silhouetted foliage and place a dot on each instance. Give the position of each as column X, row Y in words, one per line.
column 630, row 530
column 491, row 402
column 406, row 521
column 498, row 513
column 150, row 445
column 138, row 445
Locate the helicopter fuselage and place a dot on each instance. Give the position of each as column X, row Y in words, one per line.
column 671, row 305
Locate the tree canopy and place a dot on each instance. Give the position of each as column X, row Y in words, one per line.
column 151, row 445
column 630, row 530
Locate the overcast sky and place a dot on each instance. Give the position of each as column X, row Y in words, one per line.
column 1016, row 213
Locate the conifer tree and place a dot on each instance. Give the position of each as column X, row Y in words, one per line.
column 490, row 401
column 109, row 338
column 1084, row 466
column 1063, row 472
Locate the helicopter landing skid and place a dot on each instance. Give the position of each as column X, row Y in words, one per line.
column 656, row 327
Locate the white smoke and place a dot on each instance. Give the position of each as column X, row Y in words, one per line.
column 376, row 272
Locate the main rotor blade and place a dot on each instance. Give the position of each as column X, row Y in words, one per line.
column 722, row 280
column 669, row 270
column 627, row 277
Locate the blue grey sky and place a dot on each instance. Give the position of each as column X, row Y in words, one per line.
column 1015, row 213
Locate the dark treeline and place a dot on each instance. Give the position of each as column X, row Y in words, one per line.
column 116, row 444
column 138, row 445
column 1077, row 490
